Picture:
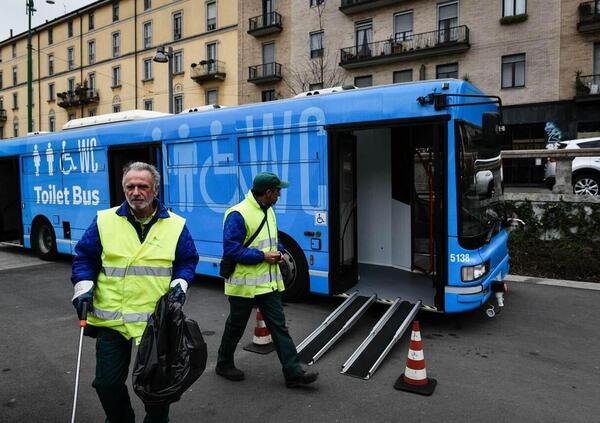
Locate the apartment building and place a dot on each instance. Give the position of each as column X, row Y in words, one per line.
column 100, row 59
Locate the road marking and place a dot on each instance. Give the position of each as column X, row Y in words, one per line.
column 593, row 286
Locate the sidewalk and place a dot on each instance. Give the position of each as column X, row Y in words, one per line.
column 554, row 282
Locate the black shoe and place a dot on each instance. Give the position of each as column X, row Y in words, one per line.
column 304, row 379
column 230, row 373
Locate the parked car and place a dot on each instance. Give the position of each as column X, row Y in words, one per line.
column 586, row 170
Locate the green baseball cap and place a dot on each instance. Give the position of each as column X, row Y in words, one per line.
column 267, row 180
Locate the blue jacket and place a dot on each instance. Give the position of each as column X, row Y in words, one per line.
column 88, row 251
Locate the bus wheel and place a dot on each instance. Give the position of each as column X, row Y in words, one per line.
column 294, row 270
column 44, row 241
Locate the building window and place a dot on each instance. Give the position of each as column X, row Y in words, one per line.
column 316, row 44
column 403, row 76
column 147, row 69
column 211, row 57
column 364, row 37
column 14, row 76
column 268, row 57
column 147, row 34
column 147, row 4
column 212, row 96
column 92, row 81
column 363, row 81
column 116, row 44
column 15, row 128
column 177, row 26
column 50, row 64
column 513, row 71
column 71, row 84
column 51, row 92
column 91, row 52
column 72, row 116
column 403, row 26
column 314, row 3
column 71, row 58
column 15, row 101
column 115, row 11
column 315, row 86
column 178, row 103
column 446, row 71
column 92, row 113
column 1, row 82
column 52, row 123
column 116, row 76
column 148, row 105
column 90, row 21
column 70, row 29
column 448, row 22
column 268, row 95
column 14, row 50
column 211, row 16
column 514, row 7
column 116, row 108
column 178, row 62
column 50, row 36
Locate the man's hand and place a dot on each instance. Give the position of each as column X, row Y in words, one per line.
column 177, row 291
column 83, row 292
column 273, row 257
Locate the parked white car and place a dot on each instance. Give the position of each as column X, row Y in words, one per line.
column 586, row 170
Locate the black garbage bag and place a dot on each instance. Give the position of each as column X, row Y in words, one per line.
column 171, row 356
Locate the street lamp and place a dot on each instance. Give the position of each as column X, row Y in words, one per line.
column 30, row 8
column 163, row 56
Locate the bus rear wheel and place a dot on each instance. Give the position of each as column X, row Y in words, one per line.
column 294, row 270
column 44, row 241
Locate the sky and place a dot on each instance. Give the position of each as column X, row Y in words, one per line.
column 13, row 13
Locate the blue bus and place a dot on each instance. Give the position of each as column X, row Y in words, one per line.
column 394, row 190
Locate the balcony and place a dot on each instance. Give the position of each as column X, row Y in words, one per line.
column 406, row 46
column 589, row 16
column 265, row 73
column 208, row 70
column 349, row 7
column 587, row 88
column 2, row 116
column 268, row 23
column 80, row 96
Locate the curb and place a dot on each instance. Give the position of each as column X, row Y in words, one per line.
column 592, row 286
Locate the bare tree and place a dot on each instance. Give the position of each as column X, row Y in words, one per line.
column 320, row 69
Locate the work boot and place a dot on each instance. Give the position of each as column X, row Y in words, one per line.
column 230, row 373
column 304, row 378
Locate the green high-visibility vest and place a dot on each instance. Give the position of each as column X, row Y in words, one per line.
column 134, row 275
column 249, row 280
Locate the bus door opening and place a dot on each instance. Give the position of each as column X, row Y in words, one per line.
column 10, row 201
column 119, row 157
column 385, row 211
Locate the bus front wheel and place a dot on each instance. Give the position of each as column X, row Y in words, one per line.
column 294, row 270
column 44, row 241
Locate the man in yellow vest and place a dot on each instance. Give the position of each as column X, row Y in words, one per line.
column 256, row 279
column 127, row 259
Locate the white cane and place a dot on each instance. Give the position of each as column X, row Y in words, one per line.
column 82, row 324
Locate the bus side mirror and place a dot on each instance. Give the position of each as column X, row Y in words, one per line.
column 493, row 130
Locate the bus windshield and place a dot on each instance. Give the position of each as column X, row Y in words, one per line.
column 479, row 185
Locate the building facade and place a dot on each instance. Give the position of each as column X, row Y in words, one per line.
column 99, row 59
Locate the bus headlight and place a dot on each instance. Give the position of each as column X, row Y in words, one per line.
column 471, row 273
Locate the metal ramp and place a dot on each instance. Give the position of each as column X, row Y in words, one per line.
column 386, row 332
column 334, row 326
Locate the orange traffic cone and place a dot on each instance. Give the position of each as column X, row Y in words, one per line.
column 414, row 379
column 261, row 341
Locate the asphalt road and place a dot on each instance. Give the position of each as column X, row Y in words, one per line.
column 538, row 361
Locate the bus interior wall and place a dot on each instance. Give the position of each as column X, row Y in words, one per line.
column 393, row 215
column 120, row 157
column 10, row 201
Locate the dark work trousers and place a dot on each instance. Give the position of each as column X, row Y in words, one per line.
column 272, row 310
column 113, row 354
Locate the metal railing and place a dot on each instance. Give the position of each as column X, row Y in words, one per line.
column 587, row 85
column 266, row 70
column 405, row 43
column 264, row 20
column 589, row 11
column 207, row 68
column 77, row 97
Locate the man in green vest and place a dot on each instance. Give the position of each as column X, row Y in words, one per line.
column 127, row 259
column 256, row 279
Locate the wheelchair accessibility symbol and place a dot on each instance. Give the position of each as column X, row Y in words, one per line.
column 321, row 218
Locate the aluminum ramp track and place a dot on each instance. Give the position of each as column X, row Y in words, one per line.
column 334, row 326
column 386, row 332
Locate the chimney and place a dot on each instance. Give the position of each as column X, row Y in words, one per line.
column 11, row 33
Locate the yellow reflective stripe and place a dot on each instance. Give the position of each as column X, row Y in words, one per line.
column 252, row 281
column 136, row 317
column 119, row 272
column 265, row 243
column 106, row 315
